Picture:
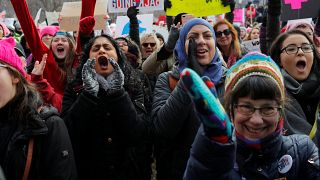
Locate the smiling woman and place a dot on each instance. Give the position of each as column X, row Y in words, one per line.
column 295, row 53
column 254, row 101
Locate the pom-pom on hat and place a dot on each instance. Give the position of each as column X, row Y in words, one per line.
column 254, row 64
column 9, row 56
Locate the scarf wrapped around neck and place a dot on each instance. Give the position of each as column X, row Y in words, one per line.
column 214, row 69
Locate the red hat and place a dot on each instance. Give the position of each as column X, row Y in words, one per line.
column 9, row 56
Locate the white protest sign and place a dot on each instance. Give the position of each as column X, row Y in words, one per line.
column 123, row 24
column 144, row 6
column 252, row 45
column 161, row 30
column 52, row 17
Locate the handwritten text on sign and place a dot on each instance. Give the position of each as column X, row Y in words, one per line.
column 116, row 6
column 198, row 8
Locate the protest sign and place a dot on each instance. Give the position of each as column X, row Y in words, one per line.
column 52, row 17
column 239, row 15
column 123, row 24
column 70, row 15
column 116, row 6
column 161, row 30
column 198, row 8
column 299, row 9
column 9, row 22
column 252, row 45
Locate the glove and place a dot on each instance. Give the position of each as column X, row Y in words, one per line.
column 89, row 77
column 216, row 122
column 112, row 83
column 274, row 7
column 172, row 39
column 192, row 58
column 167, row 4
column 132, row 12
column 87, row 24
column 228, row 2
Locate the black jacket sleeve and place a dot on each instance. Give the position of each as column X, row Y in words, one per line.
column 134, row 30
column 169, row 109
column 273, row 21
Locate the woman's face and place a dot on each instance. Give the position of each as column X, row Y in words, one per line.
column 243, row 33
column 299, row 64
column 123, row 45
column 223, row 40
column 307, row 30
column 255, row 34
column 60, row 46
column 8, row 85
column 101, row 50
column 148, row 47
column 255, row 126
column 46, row 39
column 203, row 37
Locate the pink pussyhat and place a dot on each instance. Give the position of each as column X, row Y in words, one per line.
column 49, row 30
column 9, row 56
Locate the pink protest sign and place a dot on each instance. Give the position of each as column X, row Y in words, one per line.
column 238, row 15
column 295, row 4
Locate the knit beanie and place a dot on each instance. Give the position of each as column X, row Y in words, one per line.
column 295, row 23
column 50, row 30
column 254, row 64
column 5, row 29
column 9, row 56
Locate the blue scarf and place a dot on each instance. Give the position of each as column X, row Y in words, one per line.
column 214, row 69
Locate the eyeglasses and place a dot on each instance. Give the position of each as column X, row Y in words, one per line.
column 248, row 110
column 147, row 44
column 293, row 49
column 122, row 44
column 226, row 32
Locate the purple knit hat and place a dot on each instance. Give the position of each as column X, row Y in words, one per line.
column 9, row 56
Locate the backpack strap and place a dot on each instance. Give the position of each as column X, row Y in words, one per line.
column 29, row 159
column 172, row 82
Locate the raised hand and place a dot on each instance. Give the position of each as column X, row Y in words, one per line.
column 87, row 24
column 213, row 116
column 39, row 66
column 114, row 82
column 132, row 12
column 192, row 58
column 89, row 77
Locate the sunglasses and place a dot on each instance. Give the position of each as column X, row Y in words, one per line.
column 226, row 32
column 147, row 44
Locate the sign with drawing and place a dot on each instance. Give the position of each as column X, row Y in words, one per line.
column 299, row 9
column 123, row 24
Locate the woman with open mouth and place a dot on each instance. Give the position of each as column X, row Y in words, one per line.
column 296, row 55
column 103, row 109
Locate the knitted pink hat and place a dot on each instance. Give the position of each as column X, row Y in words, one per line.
column 5, row 29
column 9, row 56
column 50, row 30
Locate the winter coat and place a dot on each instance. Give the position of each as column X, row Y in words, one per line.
column 52, row 158
column 103, row 131
column 155, row 65
column 175, row 124
column 213, row 160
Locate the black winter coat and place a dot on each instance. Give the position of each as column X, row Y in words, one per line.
column 211, row 160
column 102, row 130
column 52, row 151
column 176, row 125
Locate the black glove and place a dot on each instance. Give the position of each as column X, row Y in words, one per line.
column 274, row 7
column 132, row 12
column 192, row 58
column 172, row 39
column 89, row 77
column 229, row 2
column 112, row 83
column 167, row 4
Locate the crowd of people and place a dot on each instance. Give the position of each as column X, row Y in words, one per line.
column 198, row 105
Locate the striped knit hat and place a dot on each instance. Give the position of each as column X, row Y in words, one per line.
column 254, row 64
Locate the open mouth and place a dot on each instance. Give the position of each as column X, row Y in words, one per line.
column 201, row 51
column 103, row 61
column 254, row 130
column 301, row 65
column 60, row 50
